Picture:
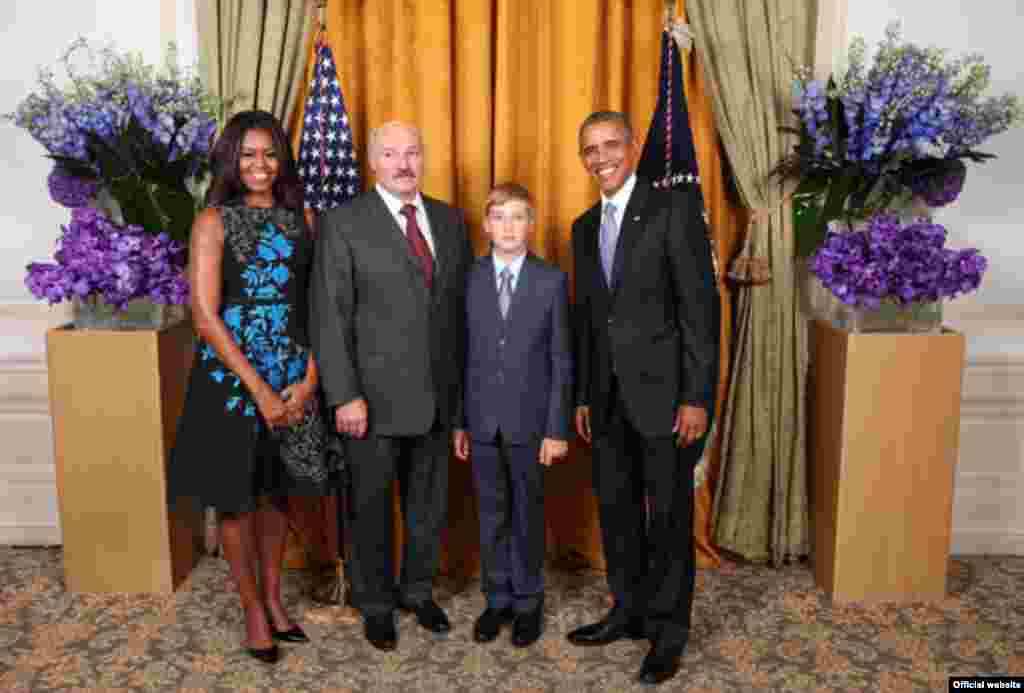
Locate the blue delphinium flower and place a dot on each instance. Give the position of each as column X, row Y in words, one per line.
column 891, row 127
column 154, row 119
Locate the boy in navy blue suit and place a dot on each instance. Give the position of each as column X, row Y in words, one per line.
column 518, row 390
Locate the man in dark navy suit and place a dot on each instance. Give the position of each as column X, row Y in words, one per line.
column 518, row 391
column 647, row 357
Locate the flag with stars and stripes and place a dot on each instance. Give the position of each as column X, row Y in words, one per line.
column 327, row 158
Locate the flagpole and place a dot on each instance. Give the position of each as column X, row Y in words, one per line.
column 330, row 177
column 321, row 11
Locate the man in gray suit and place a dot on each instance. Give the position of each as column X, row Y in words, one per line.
column 387, row 312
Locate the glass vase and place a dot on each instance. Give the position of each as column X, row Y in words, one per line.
column 816, row 301
column 140, row 314
column 914, row 318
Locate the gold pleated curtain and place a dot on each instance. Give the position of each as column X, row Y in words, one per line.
column 750, row 49
column 500, row 89
column 251, row 50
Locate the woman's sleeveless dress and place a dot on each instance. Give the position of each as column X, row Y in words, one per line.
column 225, row 456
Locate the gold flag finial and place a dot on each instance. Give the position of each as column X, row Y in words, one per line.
column 321, row 8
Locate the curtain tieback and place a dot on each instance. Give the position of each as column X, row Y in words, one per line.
column 755, row 270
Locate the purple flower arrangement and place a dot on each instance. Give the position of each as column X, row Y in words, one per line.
column 879, row 134
column 142, row 133
column 70, row 191
column 887, row 261
column 99, row 259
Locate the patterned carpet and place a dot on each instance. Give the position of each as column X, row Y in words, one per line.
column 755, row 628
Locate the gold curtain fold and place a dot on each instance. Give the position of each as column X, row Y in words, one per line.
column 750, row 51
column 499, row 89
column 250, row 52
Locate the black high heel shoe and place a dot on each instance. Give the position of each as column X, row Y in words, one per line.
column 293, row 634
column 267, row 655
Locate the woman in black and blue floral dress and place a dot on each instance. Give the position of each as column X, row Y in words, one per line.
column 252, row 432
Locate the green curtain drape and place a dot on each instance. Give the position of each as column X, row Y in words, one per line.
column 750, row 49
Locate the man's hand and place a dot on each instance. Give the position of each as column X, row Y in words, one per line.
column 350, row 418
column 552, row 450
column 583, row 423
column 460, row 441
column 691, row 423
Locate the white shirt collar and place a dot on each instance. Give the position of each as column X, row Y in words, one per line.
column 515, row 266
column 395, row 204
column 621, row 198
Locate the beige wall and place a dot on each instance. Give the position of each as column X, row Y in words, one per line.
column 31, row 222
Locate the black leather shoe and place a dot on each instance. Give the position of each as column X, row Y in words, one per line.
column 267, row 655
column 527, row 627
column 380, row 631
column 658, row 667
column 430, row 616
column 609, row 629
column 293, row 634
column 489, row 623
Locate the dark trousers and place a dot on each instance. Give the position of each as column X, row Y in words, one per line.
column 510, row 490
column 420, row 465
column 644, row 487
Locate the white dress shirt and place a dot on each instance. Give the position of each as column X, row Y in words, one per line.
column 395, row 207
column 514, row 267
column 620, row 199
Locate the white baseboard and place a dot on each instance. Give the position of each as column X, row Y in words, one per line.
column 23, row 534
column 990, row 473
column 993, row 542
column 28, row 487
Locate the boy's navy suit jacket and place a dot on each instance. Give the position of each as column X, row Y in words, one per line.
column 519, row 369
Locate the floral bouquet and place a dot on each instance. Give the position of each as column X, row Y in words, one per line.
column 881, row 134
column 134, row 140
column 97, row 259
column 890, row 262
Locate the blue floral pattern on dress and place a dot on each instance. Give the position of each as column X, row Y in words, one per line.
column 261, row 327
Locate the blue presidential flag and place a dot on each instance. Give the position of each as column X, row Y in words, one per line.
column 327, row 158
column 669, row 159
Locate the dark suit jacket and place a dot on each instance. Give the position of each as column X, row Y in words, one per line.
column 376, row 330
column 657, row 327
column 518, row 369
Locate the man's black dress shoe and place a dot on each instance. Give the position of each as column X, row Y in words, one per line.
column 293, row 634
column 527, row 627
column 267, row 655
column 612, row 627
column 380, row 631
column 430, row 616
column 658, row 667
column 489, row 623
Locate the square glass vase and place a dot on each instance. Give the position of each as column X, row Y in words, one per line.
column 140, row 314
column 914, row 318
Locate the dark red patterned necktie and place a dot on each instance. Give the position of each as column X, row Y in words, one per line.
column 418, row 244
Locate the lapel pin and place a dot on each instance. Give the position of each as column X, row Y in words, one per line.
column 636, row 218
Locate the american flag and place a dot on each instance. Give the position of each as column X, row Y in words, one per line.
column 327, row 159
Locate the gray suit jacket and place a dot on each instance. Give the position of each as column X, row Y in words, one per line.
column 376, row 330
column 518, row 369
